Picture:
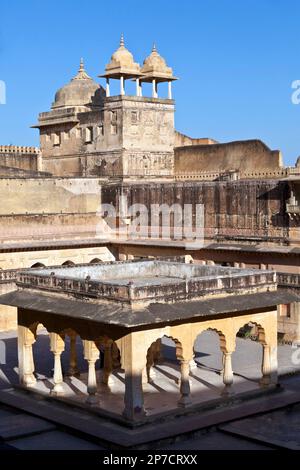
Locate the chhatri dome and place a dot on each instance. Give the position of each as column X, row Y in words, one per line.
column 82, row 90
column 122, row 63
column 155, row 67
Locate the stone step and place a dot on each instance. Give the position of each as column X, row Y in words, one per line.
column 20, row 425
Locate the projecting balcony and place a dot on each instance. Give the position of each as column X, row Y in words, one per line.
column 293, row 209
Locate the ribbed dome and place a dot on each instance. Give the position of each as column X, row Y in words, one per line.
column 123, row 57
column 82, row 90
column 156, row 64
column 122, row 61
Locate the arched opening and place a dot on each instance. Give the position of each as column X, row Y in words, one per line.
column 73, row 362
column 95, row 261
column 68, row 263
column 206, row 370
column 247, row 359
column 38, row 265
column 162, row 374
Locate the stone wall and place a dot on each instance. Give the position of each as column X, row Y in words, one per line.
column 182, row 140
column 49, row 195
column 23, row 158
column 245, row 156
column 130, row 136
column 247, row 211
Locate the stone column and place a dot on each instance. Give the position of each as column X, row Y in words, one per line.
column 170, row 90
column 120, row 345
column 145, row 379
column 25, row 356
column 107, row 367
column 154, row 88
column 115, row 356
column 266, row 366
column 137, row 83
column 185, row 390
column 57, row 346
column 150, row 372
column 157, row 352
column 274, row 363
column 91, row 354
column 107, row 88
column 193, row 365
column 227, row 374
column 295, row 309
column 134, row 362
column 141, row 89
column 122, row 88
column 73, row 368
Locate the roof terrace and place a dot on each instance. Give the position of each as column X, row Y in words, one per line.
column 143, row 281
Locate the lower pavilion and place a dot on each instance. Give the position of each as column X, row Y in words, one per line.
column 123, row 312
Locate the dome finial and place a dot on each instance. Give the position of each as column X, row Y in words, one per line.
column 122, row 40
column 81, row 66
column 82, row 75
column 154, row 47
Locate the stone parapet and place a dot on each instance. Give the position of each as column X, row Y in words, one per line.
column 18, row 149
column 145, row 281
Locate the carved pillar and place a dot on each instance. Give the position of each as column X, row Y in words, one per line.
column 73, row 367
column 107, row 367
column 266, row 366
column 170, row 90
column 145, row 376
column 107, row 88
column 57, row 346
column 134, row 362
column 115, row 356
column 150, row 373
column 193, row 365
column 157, row 352
column 185, row 390
column 120, row 345
column 91, row 354
column 154, row 88
column 137, row 83
column 227, row 373
column 274, row 363
column 122, row 88
column 25, row 356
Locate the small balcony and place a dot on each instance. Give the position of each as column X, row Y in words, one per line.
column 293, row 209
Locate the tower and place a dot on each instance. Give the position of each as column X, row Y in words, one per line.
column 68, row 131
column 88, row 132
column 139, row 129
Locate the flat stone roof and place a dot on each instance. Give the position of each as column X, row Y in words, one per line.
column 181, row 244
column 116, row 314
column 144, row 281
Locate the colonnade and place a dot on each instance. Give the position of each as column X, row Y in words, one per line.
column 139, row 90
column 137, row 354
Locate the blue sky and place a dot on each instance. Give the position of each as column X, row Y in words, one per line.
column 235, row 59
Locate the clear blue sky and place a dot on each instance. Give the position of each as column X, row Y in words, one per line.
column 236, row 61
